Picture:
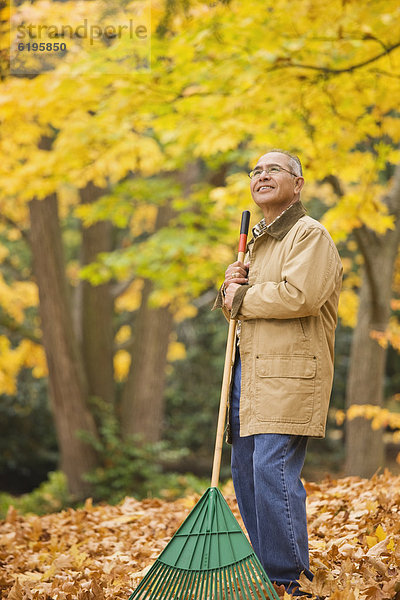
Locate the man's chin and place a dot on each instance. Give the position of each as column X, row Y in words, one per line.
column 265, row 200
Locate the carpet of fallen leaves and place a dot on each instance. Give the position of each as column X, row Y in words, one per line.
column 101, row 552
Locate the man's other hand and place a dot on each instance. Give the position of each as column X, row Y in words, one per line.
column 229, row 294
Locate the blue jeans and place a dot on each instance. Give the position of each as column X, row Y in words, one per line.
column 266, row 472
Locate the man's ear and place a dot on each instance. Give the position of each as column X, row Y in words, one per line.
column 298, row 186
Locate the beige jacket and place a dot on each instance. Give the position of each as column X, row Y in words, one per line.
column 288, row 314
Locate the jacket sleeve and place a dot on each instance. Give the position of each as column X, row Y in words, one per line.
column 309, row 276
column 219, row 303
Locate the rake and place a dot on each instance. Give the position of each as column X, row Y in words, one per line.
column 209, row 557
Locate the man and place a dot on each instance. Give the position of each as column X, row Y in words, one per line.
column 285, row 297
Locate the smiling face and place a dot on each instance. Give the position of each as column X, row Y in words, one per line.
column 273, row 192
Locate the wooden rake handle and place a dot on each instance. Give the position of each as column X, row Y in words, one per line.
column 229, row 361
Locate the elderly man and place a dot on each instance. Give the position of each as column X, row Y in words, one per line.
column 285, row 297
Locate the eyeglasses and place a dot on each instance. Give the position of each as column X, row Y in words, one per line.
column 270, row 170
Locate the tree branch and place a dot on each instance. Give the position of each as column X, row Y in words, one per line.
column 119, row 288
column 386, row 73
column 350, row 69
column 392, row 198
column 204, row 299
column 335, row 183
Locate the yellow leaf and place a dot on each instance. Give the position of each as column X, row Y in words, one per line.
column 79, row 558
column 122, row 362
column 131, row 298
column 380, row 533
column 176, row 351
column 390, row 545
column 340, row 416
column 372, row 505
column 348, row 307
column 186, row 311
column 371, row 540
column 123, row 334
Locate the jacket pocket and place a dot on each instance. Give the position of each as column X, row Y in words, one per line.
column 285, row 388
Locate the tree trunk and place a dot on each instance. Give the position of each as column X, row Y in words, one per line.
column 364, row 446
column 68, row 386
column 97, row 307
column 142, row 406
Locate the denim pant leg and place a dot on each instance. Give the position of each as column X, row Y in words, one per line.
column 242, row 464
column 266, row 472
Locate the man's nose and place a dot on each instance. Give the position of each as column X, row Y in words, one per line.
column 264, row 174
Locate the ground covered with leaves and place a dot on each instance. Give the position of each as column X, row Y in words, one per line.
column 102, row 552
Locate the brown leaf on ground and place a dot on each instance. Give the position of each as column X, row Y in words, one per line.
column 102, row 552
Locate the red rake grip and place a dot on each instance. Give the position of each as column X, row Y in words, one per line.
column 242, row 242
column 244, row 230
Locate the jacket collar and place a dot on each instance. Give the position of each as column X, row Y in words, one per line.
column 282, row 224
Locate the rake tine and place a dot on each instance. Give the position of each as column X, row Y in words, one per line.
column 238, row 580
column 158, row 581
column 220, row 585
column 215, row 585
column 197, row 584
column 243, row 578
column 201, row 583
column 234, row 590
column 181, row 585
column 191, row 584
column 212, row 586
column 250, row 579
column 207, row 583
column 261, row 575
column 144, row 581
column 166, row 584
column 226, row 587
column 180, row 591
column 171, row 581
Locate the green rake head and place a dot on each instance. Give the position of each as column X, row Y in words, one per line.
column 208, row 558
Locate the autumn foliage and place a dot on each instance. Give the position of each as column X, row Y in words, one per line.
column 144, row 175
column 102, row 552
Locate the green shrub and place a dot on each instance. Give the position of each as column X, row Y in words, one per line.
column 131, row 467
column 51, row 496
column 28, row 445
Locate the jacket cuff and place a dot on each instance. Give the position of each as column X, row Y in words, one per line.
column 238, row 299
column 219, row 301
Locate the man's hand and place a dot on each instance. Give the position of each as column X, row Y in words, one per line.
column 235, row 275
column 229, row 294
